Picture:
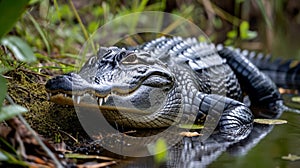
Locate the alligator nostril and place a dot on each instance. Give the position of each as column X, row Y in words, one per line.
column 121, row 55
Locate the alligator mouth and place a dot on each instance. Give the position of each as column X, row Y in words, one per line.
column 71, row 89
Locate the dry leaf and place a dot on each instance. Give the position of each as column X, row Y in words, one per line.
column 270, row 121
column 291, row 157
column 190, row 134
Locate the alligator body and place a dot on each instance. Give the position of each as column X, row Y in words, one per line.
column 169, row 81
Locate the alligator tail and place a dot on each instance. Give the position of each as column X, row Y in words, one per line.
column 285, row 74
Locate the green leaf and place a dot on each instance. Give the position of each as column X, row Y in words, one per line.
column 3, row 89
column 245, row 33
column 217, row 23
column 232, row 34
column 3, row 157
column 10, row 11
column 161, row 149
column 8, row 157
column 244, row 27
column 22, row 51
column 251, row 35
column 228, row 42
column 10, row 111
column 93, row 26
column 202, row 38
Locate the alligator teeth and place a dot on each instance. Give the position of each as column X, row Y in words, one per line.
column 105, row 99
column 76, row 99
column 100, row 101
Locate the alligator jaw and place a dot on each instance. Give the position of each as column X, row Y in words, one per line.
column 65, row 99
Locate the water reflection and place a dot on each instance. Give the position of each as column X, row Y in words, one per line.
column 191, row 152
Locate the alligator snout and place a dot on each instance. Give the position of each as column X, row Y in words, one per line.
column 62, row 82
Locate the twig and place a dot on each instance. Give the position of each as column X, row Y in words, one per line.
column 210, row 15
column 223, row 14
column 69, row 135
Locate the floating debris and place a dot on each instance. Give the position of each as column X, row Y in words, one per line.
column 296, row 99
column 291, row 157
column 288, row 91
column 190, row 134
column 270, row 121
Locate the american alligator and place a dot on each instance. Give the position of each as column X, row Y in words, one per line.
column 169, row 81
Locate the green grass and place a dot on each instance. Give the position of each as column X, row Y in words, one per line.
column 61, row 28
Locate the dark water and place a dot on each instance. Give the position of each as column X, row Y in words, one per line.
column 282, row 140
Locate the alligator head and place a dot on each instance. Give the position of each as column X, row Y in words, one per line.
column 129, row 87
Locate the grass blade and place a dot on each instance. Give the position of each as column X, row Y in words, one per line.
column 41, row 32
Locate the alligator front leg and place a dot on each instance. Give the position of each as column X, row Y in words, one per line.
column 264, row 96
column 235, row 120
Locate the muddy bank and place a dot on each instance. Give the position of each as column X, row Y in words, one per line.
column 48, row 119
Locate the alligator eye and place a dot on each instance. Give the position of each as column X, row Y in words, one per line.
column 130, row 59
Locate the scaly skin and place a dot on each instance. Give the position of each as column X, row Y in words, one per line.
column 166, row 82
